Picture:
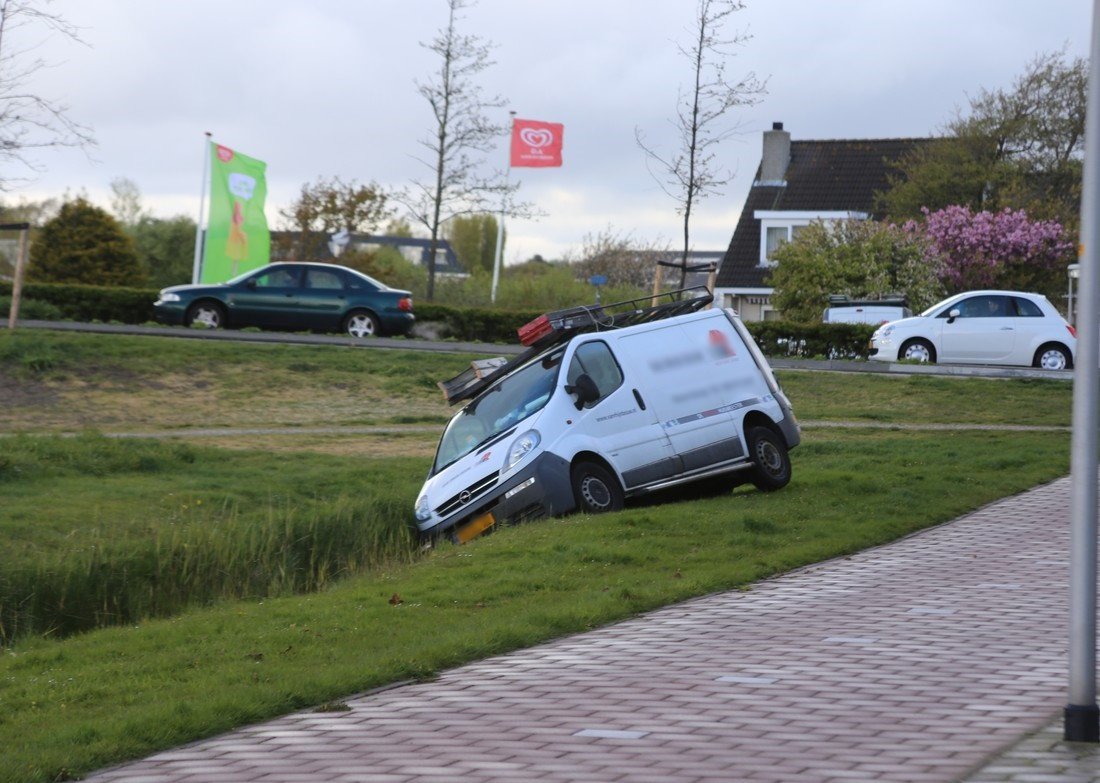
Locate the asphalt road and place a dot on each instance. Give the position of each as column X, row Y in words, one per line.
column 493, row 349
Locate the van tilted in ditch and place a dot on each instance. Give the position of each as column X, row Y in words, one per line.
column 606, row 403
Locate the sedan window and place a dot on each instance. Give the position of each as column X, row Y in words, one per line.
column 324, row 279
column 278, row 278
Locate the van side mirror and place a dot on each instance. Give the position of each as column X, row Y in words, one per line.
column 955, row 313
column 586, row 390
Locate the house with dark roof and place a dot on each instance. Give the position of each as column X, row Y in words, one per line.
column 797, row 183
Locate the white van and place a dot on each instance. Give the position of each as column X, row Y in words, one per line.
column 843, row 310
column 603, row 407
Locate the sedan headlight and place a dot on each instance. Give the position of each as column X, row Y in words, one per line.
column 423, row 510
column 169, row 297
column 521, row 447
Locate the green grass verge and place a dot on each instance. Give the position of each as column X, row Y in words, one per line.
column 74, row 705
column 916, row 399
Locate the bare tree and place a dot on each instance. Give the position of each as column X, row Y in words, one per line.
column 692, row 172
column 126, row 202
column 331, row 205
column 460, row 134
column 619, row 257
column 28, row 121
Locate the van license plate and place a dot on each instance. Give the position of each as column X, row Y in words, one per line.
column 475, row 527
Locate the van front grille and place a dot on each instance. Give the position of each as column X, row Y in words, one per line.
column 466, row 496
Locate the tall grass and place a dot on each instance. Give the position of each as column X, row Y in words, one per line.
column 122, row 571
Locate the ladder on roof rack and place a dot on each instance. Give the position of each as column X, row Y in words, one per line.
column 559, row 326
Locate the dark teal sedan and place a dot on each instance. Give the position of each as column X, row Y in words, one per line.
column 292, row 297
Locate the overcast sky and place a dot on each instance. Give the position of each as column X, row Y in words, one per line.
column 326, row 87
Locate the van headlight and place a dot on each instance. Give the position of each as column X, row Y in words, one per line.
column 423, row 510
column 521, row 447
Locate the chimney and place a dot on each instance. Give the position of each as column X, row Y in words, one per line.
column 777, row 154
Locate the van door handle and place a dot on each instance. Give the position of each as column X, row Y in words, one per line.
column 1006, row 329
column 638, row 397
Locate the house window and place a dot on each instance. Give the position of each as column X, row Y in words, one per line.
column 778, row 227
column 776, row 236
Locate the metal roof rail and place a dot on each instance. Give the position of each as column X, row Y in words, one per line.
column 560, row 326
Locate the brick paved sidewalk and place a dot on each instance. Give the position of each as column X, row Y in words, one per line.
column 917, row 661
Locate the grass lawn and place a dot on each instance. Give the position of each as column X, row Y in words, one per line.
column 182, row 528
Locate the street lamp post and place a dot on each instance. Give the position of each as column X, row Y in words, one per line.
column 1073, row 271
column 1081, row 716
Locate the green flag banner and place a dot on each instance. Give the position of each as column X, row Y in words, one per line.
column 237, row 238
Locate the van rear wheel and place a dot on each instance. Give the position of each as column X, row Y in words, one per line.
column 772, row 463
column 595, row 489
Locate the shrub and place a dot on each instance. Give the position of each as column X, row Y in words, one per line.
column 477, row 324
column 827, row 341
column 31, row 309
column 84, row 244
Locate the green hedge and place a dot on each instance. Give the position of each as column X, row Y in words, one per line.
column 473, row 323
column 812, row 341
column 91, row 302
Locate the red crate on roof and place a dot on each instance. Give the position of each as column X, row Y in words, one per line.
column 534, row 331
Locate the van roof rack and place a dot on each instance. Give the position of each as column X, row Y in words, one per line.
column 558, row 327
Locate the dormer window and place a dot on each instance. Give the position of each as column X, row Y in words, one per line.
column 778, row 228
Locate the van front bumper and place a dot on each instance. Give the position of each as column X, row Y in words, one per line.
column 541, row 489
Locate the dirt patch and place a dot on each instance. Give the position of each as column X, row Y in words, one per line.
column 24, row 393
column 119, row 400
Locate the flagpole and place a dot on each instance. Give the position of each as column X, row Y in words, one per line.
column 503, row 207
column 200, row 244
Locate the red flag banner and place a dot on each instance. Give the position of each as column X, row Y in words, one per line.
column 536, row 143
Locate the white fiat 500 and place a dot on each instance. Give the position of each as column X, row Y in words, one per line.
column 982, row 327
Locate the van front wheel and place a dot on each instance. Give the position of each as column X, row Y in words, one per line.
column 772, row 463
column 595, row 489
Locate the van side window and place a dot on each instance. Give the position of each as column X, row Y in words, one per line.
column 596, row 359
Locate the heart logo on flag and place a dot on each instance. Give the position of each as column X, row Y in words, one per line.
column 224, row 154
column 536, row 137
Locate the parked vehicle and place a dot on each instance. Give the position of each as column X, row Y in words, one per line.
column 843, row 310
column 982, row 327
column 604, row 406
column 292, row 296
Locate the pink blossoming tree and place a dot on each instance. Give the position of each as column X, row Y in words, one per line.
column 995, row 249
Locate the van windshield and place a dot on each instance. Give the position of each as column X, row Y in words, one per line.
column 501, row 406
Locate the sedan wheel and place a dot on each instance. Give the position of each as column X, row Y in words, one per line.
column 361, row 324
column 207, row 315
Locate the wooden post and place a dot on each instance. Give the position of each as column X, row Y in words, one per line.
column 657, row 285
column 17, row 283
column 712, row 278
